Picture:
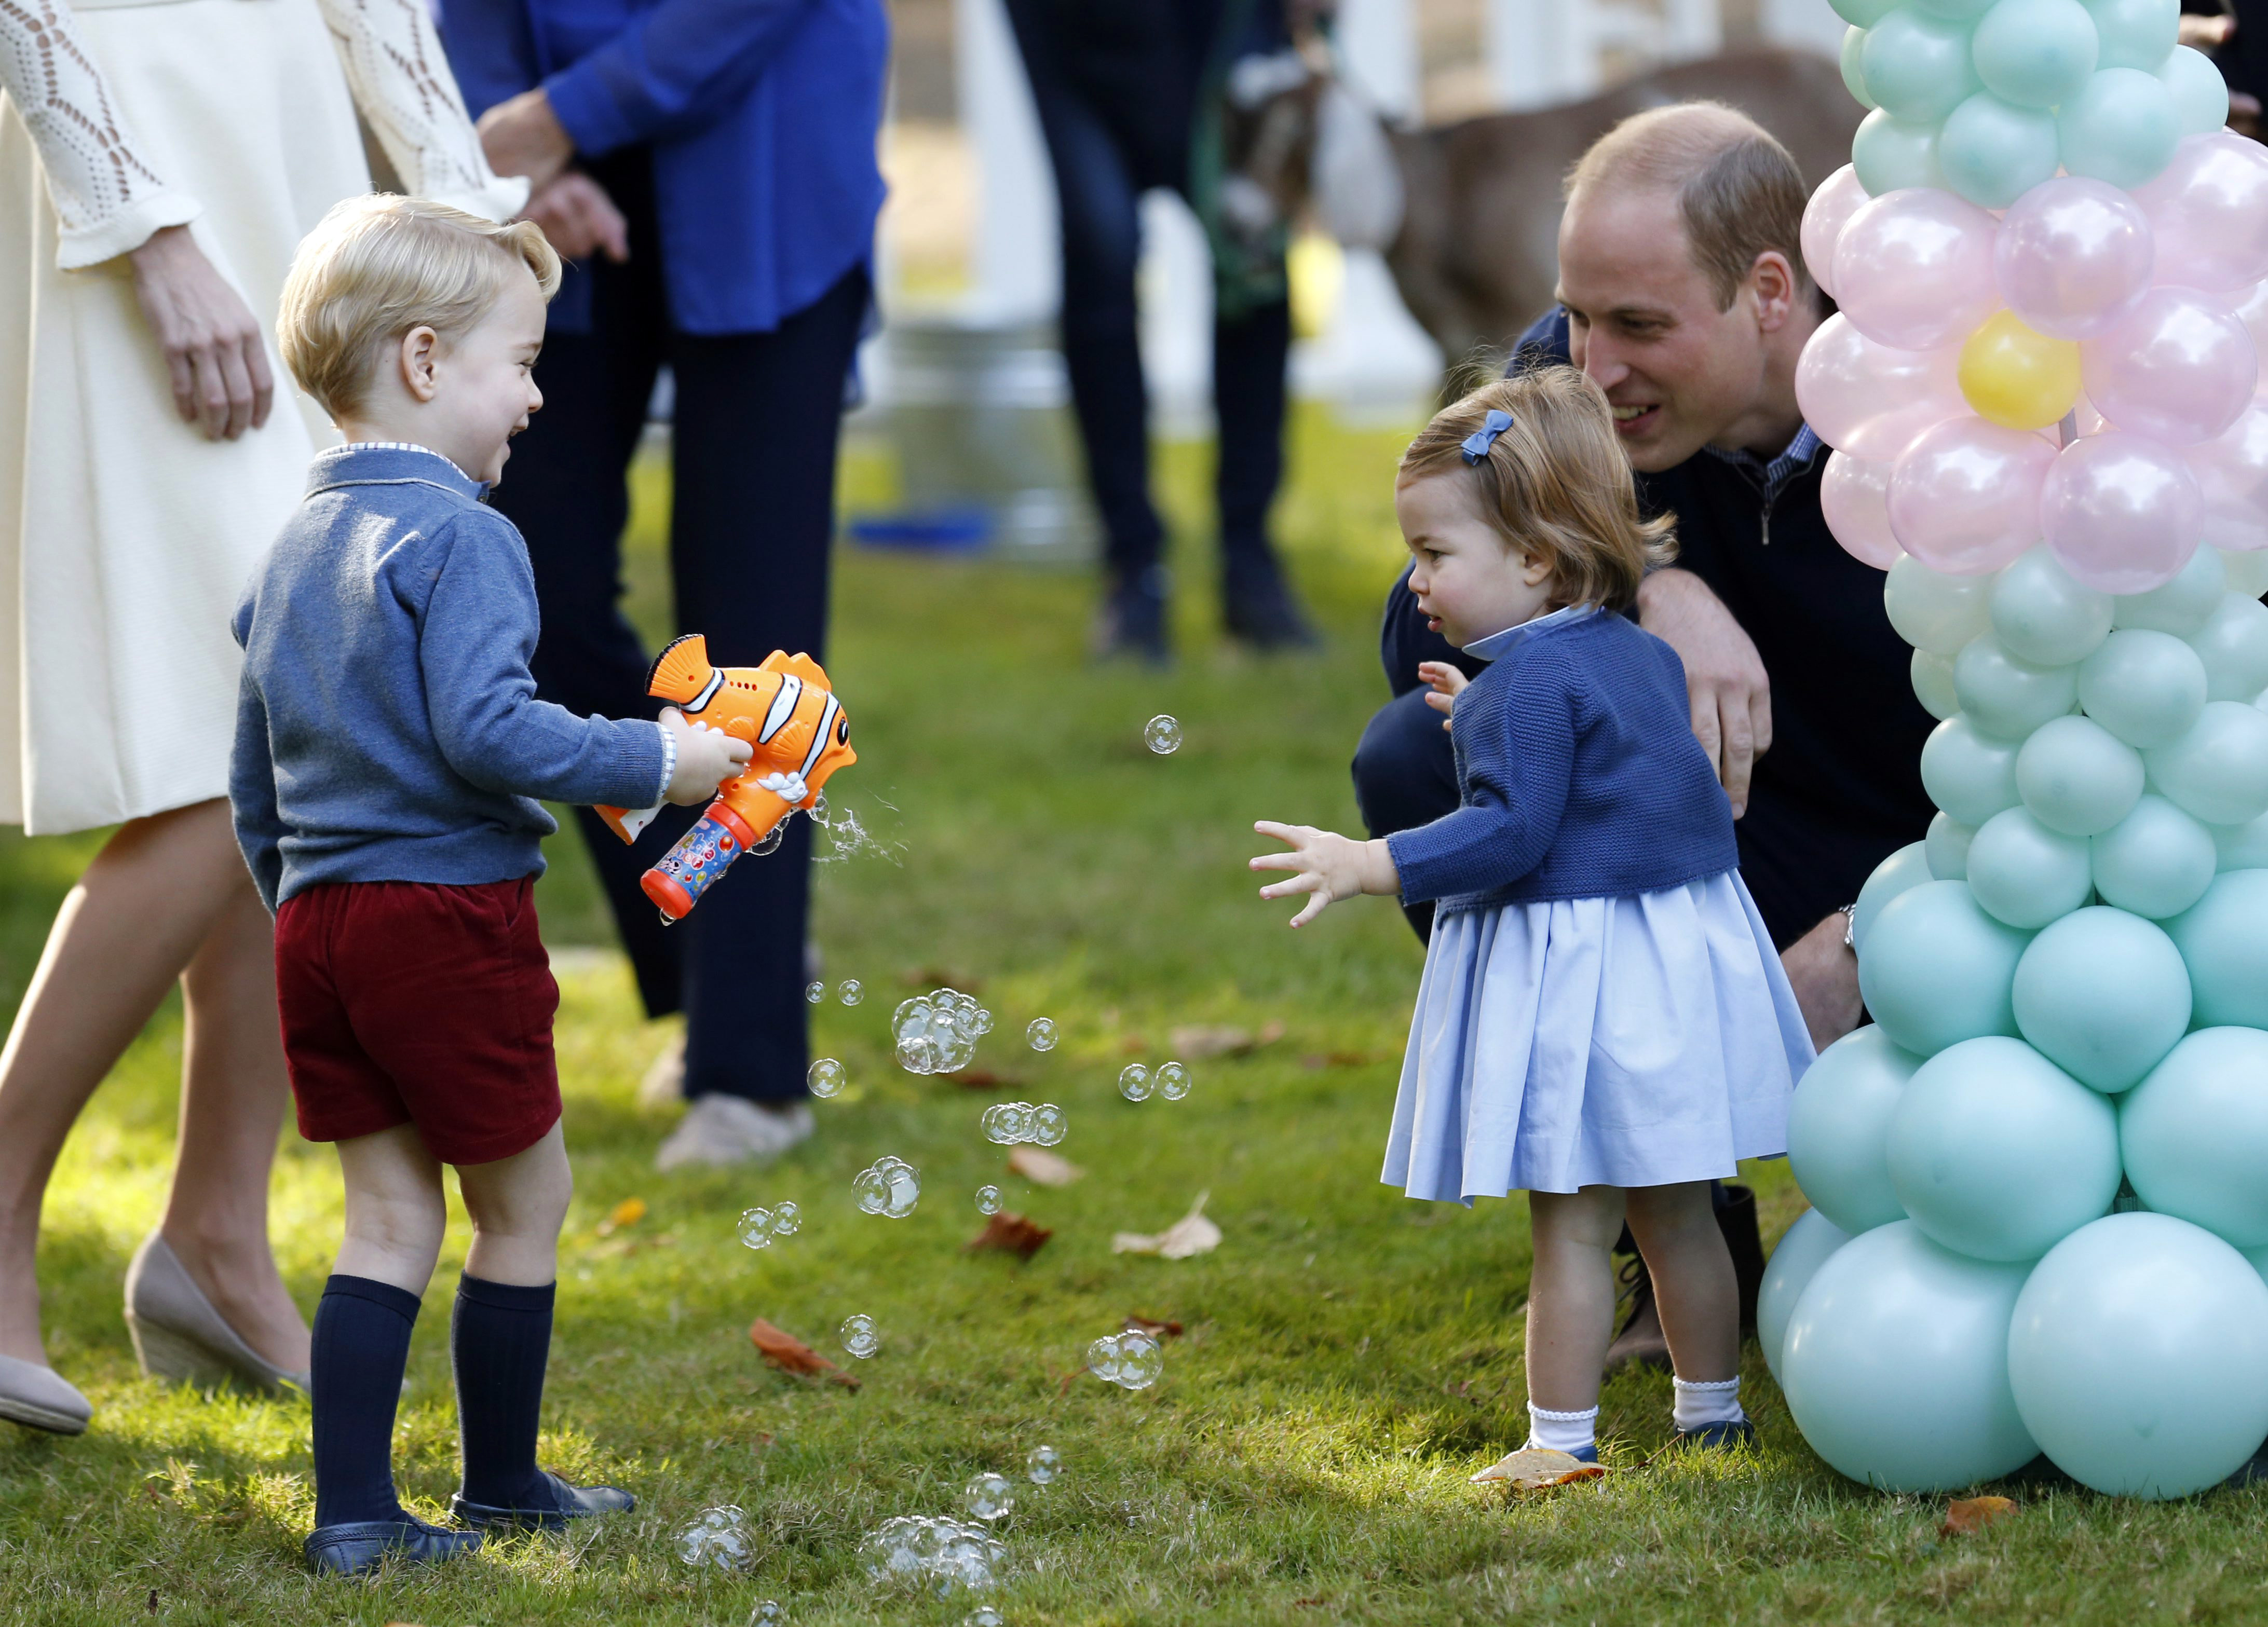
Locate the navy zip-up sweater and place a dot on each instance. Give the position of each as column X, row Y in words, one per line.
column 1579, row 775
column 388, row 729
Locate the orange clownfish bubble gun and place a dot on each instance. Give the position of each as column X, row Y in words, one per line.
column 800, row 735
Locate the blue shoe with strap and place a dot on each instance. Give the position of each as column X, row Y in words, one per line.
column 1721, row 1436
column 356, row 1547
column 568, row 1503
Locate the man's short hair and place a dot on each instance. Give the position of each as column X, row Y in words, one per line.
column 1738, row 190
column 379, row 265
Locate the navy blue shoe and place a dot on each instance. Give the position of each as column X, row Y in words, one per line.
column 2252, row 1472
column 1719, row 1437
column 357, row 1546
column 1581, row 1455
column 572, row 1503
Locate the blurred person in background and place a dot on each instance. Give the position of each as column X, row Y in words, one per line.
column 708, row 167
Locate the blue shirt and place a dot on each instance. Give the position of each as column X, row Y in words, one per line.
column 386, row 726
column 1578, row 775
column 762, row 116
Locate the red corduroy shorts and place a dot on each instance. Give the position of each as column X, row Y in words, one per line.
column 411, row 1002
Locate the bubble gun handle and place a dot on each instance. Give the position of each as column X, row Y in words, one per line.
column 702, row 855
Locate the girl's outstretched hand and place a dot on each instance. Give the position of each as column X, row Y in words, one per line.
column 1331, row 867
column 1447, row 683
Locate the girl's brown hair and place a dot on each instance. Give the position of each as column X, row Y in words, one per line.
column 1556, row 483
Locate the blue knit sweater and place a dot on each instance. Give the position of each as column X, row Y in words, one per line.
column 1578, row 775
column 388, row 729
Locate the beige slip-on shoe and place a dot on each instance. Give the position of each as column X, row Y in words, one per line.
column 40, row 1397
column 179, row 1336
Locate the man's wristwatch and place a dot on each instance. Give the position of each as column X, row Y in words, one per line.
column 1850, row 914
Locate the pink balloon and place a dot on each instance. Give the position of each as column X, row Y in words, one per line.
column 2073, row 256
column 2209, row 211
column 1854, row 497
column 2252, row 305
column 1869, row 399
column 2232, row 475
column 2121, row 513
column 1838, row 197
column 1913, row 269
column 1964, row 498
column 2178, row 370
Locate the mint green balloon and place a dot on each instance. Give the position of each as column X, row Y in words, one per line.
column 1934, row 610
column 1862, row 14
column 2200, row 95
column 2247, row 570
column 2259, row 1259
column 1902, row 871
column 1935, row 969
column 1795, row 1260
column 2154, row 863
column 2077, row 778
column 1855, row 73
column 2223, row 940
column 2233, row 646
column 1933, row 684
column 2035, row 53
column 2135, row 33
column 1895, row 1365
column 2025, row 874
column 1969, row 773
column 1947, row 846
column 1890, row 154
column 2122, row 127
column 2044, row 615
column 2219, row 770
column 2147, row 687
column 2104, row 995
column 1999, row 1154
column 2137, row 1355
column 2194, row 1135
column 2240, row 847
column 1838, row 1122
column 1916, row 67
column 1992, row 152
column 2181, row 606
column 2006, row 696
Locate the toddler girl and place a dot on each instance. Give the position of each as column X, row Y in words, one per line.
column 1603, row 1020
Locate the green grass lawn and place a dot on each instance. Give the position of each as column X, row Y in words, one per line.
column 1349, row 1359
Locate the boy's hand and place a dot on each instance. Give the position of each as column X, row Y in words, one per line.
column 706, row 758
column 1330, row 866
column 1447, row 682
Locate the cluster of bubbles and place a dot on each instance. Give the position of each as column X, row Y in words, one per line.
column 1010, row 1122
column 760, row 1228
column 826, row 1077
column 860, row 1336
column 1043, row 1033
column 2080, row 371
column 989, row 1497
column 1162, row 735
column 936, row 1033
column 988, row 1200
column 1138, row 1083
column 889, row 1186
column 718, row 1537
column 937, row 1554
column 767, row 1613
column 1131, row 1360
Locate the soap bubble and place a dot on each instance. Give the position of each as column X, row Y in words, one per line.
column 982, row 1615
column 942, row 1555
column 984, row 1022
column 1103, row 1358
column 1162, row 735
column 1173, row 1080
column 988, row 1200
column 860, row 1336
column 814, row 992
column 767, row 1613
column 825, row 1078
column 936, row 1033
column 1140, row 1360
column 904, row 1187
column 769, row 842
column 717, row 1537
column 787, row 1219
column 996, row 1125
column 1048, row 1124
column 756, row 1227
column 852, row 991
column 989, row 1496
column 1043, row 1465
column 1134, row 1082
column 871, row 1188
column 1042, row 1034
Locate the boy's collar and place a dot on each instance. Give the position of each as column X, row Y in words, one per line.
column 360, row 463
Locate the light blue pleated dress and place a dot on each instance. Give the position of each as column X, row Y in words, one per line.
column 1595, row 1042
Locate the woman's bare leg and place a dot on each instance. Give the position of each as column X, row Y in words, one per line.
column 1571, row 1295
column 1693, row 1283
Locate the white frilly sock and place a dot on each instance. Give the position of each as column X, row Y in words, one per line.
column 1699, row 1404
column 1562, row 1431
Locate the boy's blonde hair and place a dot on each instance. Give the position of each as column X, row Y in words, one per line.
column 1556, row 483
column 379, row 265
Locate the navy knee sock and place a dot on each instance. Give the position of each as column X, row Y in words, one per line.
column 500, row 1340
column 362, row 1349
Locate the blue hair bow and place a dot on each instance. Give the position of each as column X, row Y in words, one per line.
column 1477, row 444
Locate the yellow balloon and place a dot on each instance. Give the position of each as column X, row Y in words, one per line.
column 2017, row 377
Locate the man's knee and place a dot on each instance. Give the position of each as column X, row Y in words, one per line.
column 1404, row 773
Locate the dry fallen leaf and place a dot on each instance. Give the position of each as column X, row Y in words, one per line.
column 791, row 1354
column 1973, row 1513
column 1202, row 1039
column 629, row 1212
column 1010, row 1232
column 1191, row 1234
column 1136, row 1323
column 1536, row 1469
column 1045, row 1168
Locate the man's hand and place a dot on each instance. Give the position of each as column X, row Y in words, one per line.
column 1725, row 681
column 214, row 352
column 1330, row 866
column 1447, row 683
column 706, row 758
column 1824, row 974
column 523, row 137
column 578, row 218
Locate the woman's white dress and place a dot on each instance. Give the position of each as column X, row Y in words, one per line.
column 125, row 535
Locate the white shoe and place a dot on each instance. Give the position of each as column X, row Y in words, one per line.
column 730, row 1130
column 665, row 1081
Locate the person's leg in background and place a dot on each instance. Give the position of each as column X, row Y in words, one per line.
column 566, row 487
column 1405, row 776
column 758, row 420
column 1250, row 352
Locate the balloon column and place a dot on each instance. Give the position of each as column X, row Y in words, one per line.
column 2039, row 1180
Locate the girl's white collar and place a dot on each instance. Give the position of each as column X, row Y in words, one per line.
column 1498, row 645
